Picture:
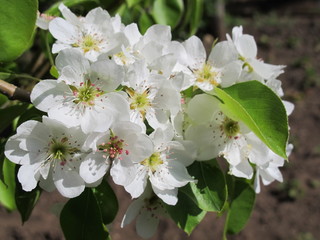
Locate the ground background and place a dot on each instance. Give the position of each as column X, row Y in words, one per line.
column 287, row 33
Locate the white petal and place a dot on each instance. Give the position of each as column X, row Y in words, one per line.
column 28, row 176
column 169, row 196
column 132, row 33
column 63, row 31
column 107, row 75
column 97, row 16
column 246, row 46
column 68, row 182
column 158, row 33
column 74, row 59
column 93, row 167
column 202, row 108
column 196, row 52
column 68, row 15
column 47, row 94
column 230, row 74
column 222, row 54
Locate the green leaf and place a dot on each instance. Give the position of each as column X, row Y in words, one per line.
column 196, row 15
column 241, row 206
column 31, row 113
column 168, row 12
column 10, row 113
column 26, row 201
column 185, row 213
column 7, row 188
column 260, row 109
column 145, row 21
column 17, row 21
column 81, row 219
column 132, row 2
column 210, row 191
column 107, row 201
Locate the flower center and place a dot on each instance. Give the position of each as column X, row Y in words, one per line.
column 153, row 161
column 86, row 93
column 231, row 128
column 114, row 147
column 208, row 74
column 60, row 150
column 88, row 43
column 139, row 101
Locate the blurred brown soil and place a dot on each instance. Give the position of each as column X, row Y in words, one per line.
column 288, row 210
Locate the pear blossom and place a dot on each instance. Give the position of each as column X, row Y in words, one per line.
column 165, row 168
column 82, row 94
column 246, row 49
column 124, row 140
column 218, row 70
column 50, row 153
column 91, row 35
column 151, row 97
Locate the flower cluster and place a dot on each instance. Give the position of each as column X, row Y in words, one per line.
column 119, row 107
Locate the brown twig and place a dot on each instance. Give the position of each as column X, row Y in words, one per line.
column 13, row 92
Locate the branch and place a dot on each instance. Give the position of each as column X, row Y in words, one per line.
column 13, row 92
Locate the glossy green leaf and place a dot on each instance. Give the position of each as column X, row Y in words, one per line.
column 185, row 213
column 107, row 201
column 241, row 206
column 168, row 12
column 145, row 21
column 26, row 201
column 10, row 113
column 7, row 188
column 260, row 109
column 210, row 190
column 17, row 21
column 81, row 219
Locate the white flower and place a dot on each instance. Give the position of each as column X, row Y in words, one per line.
column 92, row 35
column 147, row 209
column 124, row 140
column 246, row 48
column 151, row 97
column 165, row 168
column 215, row 135
column 49, row 152
column 266, row 162
column 219, row 69
column 81, row 95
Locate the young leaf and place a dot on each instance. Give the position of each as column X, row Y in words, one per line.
column 81, row 218
column 17, row 21
column 260, row 109
column 241, row 206
column 26, row 201
column 7, row 188
column 168, row 12
column 107, row 201
column 209, row 192
column 185, row 213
